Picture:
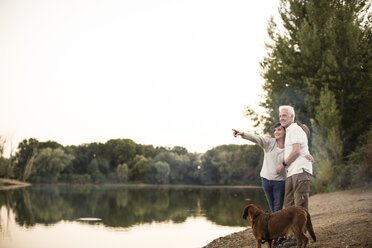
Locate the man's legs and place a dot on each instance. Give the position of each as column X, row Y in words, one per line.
column 268, row 189
column 289, row 192
column 288, row 201
column 302, row 189
column 297, row 188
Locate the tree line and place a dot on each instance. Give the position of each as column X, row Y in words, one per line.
column 124, row 161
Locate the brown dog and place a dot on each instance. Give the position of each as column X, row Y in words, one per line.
column 266, row 226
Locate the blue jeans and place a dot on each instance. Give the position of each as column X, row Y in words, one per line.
column 274, row 191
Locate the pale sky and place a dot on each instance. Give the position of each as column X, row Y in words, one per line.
column 160, row 72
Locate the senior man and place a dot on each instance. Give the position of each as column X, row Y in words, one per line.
column 299, row 169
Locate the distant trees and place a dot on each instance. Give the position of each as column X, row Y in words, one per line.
column 49, row 164
column 25, row 151
column 124, row 161
column 119, row 151
column 95, row 168
column 162, row 172
column 29, row 165
column 323, row 56
column 141, row 169
column 123, row 173
column 232, row 164
column 3, row 161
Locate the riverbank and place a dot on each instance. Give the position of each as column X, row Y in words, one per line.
column 340, row 219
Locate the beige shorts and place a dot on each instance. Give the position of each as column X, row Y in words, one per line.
column 297, row 189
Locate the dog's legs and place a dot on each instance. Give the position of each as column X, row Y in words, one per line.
column 303, row 242
column 306, row 240
column 297, row 233
column 258, row 242
column 269, row 243
column 299, row 229
column 299, row 242
column 301, row 239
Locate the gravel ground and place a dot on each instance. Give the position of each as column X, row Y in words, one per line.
column 340, row 219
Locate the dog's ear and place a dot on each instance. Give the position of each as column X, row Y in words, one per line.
column 245, row 213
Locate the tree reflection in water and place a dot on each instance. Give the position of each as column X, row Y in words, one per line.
column 126, row 206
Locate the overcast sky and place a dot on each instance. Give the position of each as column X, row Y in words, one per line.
column 160, row 72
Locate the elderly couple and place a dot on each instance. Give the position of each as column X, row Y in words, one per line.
column 287, row 165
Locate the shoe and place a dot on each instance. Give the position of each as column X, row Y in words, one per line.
column 290, row 242
column 278, row 242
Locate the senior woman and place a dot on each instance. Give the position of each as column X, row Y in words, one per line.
column 272, row 183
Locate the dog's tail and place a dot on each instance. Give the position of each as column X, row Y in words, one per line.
column 309, row 227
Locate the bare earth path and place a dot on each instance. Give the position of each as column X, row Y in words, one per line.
column 340, row 219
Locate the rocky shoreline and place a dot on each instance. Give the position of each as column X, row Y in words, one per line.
column 340, row 219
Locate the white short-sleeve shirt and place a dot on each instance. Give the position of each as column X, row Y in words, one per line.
column 296, row 135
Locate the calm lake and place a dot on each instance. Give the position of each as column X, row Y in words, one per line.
column 122, row 216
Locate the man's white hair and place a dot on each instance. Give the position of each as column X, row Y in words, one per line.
column 289, row 109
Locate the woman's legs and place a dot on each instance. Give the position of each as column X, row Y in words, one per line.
column 269, row 193
column 274, row 191
column 278, row 193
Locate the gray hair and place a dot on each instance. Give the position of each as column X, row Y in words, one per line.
column 289, row 109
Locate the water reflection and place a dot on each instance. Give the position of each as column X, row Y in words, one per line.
column 115, row 206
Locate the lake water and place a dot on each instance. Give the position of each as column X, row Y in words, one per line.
column 122, row 216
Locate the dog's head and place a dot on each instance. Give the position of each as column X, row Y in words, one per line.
column 251, row 211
